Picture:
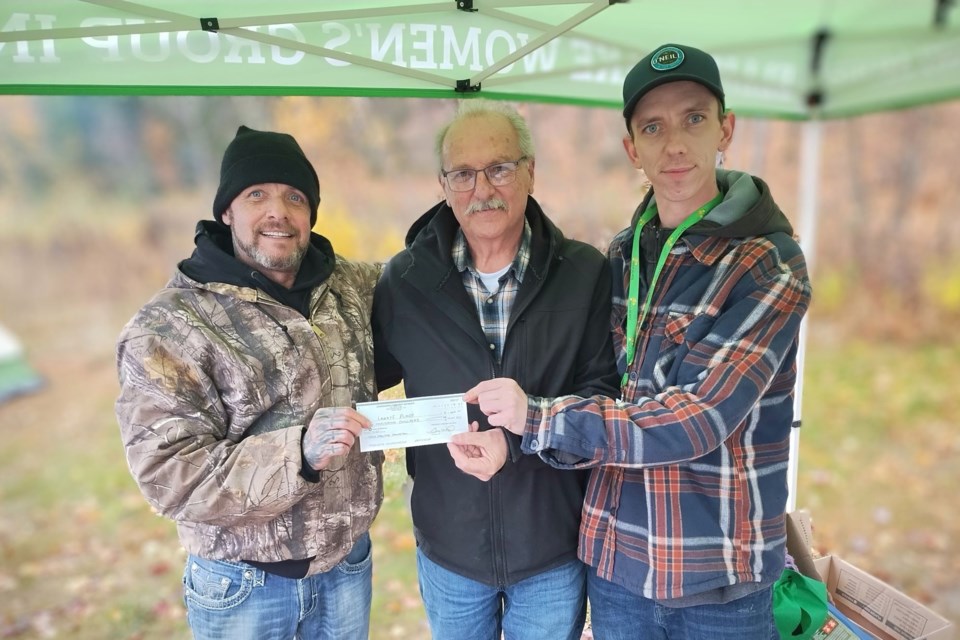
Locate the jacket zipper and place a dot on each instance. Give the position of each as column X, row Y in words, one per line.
column 496, row 505
column 496, row 496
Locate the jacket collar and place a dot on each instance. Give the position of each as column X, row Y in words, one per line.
column 430, row 243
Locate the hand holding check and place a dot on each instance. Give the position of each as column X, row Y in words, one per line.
column 502, row 401
column 411, row 422
column 331, row 433
column 482, row 453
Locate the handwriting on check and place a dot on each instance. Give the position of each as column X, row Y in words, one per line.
column 412, row 422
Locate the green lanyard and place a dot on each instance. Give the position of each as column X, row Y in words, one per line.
column 634, row 315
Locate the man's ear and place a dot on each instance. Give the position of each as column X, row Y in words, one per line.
column 727, row 126
column 227, row 216
column 443, row 190
column 631, row 150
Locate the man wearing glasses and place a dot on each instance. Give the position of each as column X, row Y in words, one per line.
column 488, row 287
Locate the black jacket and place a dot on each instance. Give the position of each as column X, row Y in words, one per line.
column 427, row 332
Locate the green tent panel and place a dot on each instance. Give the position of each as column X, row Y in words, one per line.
column 16, row 375
column 779, row 58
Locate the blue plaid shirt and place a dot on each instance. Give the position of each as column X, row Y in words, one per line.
column 689, row 484
column 493, row 307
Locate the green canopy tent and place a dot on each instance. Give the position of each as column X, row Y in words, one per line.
column 809, row 60
column 798, row 60
column 16, row 375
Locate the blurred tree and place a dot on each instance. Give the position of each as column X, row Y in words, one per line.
column 887, row 186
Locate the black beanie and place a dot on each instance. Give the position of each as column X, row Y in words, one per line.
column 260, row 157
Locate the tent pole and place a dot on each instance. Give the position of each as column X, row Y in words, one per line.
column 549, row 34
column 807, row 199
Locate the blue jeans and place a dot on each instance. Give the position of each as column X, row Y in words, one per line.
column 619, row 614
column 548, row 606
column 237, row 601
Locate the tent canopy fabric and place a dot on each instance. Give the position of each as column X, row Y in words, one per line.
column 814, row 59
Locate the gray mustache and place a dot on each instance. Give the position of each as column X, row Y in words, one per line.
column 492, row 203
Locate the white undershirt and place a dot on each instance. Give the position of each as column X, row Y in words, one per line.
column 491, row 281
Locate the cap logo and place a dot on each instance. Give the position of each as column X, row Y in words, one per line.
column 666, row 59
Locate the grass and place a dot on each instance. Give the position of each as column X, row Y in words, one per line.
column 878, row 463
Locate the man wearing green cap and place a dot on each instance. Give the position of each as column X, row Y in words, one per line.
column 683, row 522
column 236, row 382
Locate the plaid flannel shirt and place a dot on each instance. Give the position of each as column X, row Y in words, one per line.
column 493, row 307
column 690, row 482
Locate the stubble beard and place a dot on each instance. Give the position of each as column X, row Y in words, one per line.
column 271, row 262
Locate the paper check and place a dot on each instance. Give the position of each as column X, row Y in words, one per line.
column 411, row 422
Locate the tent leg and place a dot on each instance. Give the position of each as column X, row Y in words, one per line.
column 808, row 196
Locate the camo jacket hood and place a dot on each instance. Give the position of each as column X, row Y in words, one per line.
column 217, row 382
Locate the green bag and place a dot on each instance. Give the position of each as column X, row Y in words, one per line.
column 799, row 605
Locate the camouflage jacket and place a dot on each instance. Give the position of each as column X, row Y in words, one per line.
column 217, row 383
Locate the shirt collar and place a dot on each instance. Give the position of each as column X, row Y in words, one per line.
column 706, row 249
column 463, row 260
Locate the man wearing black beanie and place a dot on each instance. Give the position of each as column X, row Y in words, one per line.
column 255, row 157
column 236, row 382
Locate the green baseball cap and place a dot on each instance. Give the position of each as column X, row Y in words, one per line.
column 670, row 63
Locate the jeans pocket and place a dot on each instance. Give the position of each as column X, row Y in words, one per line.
column 360, row 557
column 215, row 584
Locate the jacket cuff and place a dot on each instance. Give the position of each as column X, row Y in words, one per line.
column 307, row 472
column 513, row 445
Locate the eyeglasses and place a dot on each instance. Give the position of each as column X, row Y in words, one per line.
column 497, row 175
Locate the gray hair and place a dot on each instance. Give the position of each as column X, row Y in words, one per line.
column 478, row 106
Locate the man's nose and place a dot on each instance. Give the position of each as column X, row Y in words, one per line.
column 278, row 207
column 675, row 142
column 483, row 188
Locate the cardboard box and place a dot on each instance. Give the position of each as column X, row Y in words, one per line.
column 868, row 602
column 800, row 543
column 877, row 607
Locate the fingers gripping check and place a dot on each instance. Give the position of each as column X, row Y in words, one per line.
column 332, row 432
column 502, row 401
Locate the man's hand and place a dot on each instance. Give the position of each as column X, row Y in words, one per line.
column 479, row 453
column 502, row 401
column 331, row 432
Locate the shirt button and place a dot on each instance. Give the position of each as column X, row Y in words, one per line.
column 633, row 375
column 493, row 347
column 534, row 443
column 489, row 300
